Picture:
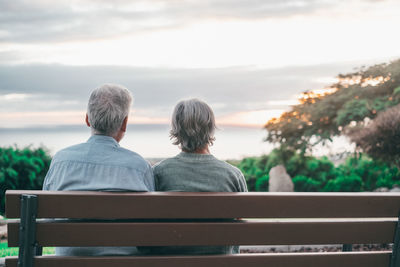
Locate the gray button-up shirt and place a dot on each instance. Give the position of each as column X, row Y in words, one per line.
column 100, row 164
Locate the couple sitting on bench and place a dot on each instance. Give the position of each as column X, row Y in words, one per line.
column 101, row 164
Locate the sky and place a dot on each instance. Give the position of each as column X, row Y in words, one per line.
column 249, row 59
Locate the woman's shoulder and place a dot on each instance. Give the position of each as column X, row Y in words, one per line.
column 229, row 166
column 165, row 163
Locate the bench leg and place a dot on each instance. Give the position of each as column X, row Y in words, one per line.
column 27, row 231
column 395, row 261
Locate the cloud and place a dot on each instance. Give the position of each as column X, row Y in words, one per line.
column 228, row 90
column 190, row 34
column 61, row 21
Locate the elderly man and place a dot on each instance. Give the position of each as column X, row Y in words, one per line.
column 101, row 164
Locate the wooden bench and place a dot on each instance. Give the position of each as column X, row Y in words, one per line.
column 271, row 219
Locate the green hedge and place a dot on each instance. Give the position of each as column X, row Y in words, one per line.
column 310, row 174
column 22, row 169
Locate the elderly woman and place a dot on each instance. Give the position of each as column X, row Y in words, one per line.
column 195, row 169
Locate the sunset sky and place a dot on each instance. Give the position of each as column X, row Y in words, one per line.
column 249, row 59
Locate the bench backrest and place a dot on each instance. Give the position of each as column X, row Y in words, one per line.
column 151, row 219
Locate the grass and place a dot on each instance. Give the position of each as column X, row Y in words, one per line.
column 6, row 251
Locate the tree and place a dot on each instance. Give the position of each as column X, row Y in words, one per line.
column 320, row 115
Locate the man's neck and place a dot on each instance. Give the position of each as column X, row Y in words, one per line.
column 115, row 137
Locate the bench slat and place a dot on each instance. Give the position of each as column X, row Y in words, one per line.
column 209, row 233
column 348, row 259
column 163, row 205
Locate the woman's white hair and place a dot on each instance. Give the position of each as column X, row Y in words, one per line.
column 193, row 125
column 108, row 106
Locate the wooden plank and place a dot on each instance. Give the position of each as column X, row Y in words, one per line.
column 209, row 233
column 69, row 204
column 348, row 259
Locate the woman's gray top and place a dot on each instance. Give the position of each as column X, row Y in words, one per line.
column 190, row 172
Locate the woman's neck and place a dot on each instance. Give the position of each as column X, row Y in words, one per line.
column 204, row 150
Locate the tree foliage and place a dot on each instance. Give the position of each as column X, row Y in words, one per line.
column 23, row 169
column 354, row 100
column 381, row 138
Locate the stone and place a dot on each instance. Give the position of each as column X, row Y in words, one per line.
column 382, row 189
column 279, row 180
column 395, row 189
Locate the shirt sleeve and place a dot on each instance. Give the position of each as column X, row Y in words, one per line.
column 49, row 177
column 242, row 183
column 46, row 182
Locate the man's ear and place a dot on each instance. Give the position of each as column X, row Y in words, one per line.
column 87, row 120
column 124, row 124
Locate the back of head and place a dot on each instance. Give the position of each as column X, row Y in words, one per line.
column 108, row 106
column 193, row 125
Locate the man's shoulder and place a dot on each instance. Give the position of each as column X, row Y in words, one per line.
column 131, row 157
column 84, row 152
column 69, row 151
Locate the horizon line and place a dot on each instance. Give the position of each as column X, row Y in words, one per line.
column 49, row 126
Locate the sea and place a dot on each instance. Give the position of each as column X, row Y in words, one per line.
column 149, row 140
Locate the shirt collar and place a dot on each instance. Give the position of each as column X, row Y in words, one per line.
column 103, row 139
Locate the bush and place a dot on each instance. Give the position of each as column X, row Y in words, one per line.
column 374, row 173
column 306, row 184
column 352, row 183
column 358, row 173
column 262, row 184
column 22, row 169
column 255, row 169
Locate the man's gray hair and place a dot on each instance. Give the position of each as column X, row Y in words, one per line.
column 107, row 108
column 193, row 125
